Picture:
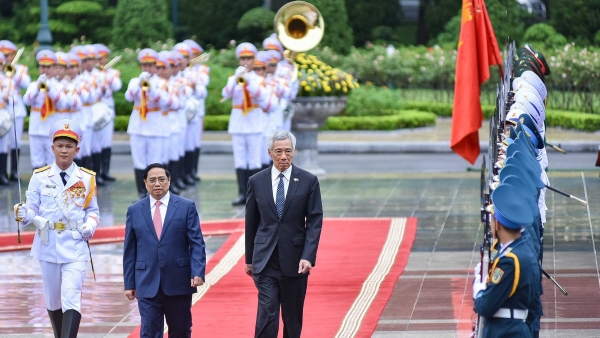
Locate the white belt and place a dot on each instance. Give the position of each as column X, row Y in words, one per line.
column 61, row 226
column 512, row 314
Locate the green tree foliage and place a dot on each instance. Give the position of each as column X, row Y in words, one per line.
column 139, row 22
column 545, row 36
column 338, row 34
column 578, row 20
column 212, row 22
column 256, row 24
column 507, row 19
column 371, row 20
column 438, row 13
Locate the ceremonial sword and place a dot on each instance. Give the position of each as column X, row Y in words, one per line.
column 18, row 219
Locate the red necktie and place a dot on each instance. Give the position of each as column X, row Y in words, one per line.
column 157, row 220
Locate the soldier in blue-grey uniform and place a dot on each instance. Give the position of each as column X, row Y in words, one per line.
column 511, row 288
column 61, row 204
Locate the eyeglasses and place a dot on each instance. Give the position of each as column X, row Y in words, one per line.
column 161, row 180
column 279, row 152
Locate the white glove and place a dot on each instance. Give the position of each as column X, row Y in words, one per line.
column 477, row 271
column 144, row 76
column 42, row 78
column 22, row 211
column 40, row 222
column 240, row 70
column 478, row 285
column 87, row 229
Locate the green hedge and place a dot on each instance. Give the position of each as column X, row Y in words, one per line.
column 400, row 120
column 572, row 120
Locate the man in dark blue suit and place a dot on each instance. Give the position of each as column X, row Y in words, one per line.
column 284, row 216
column 164, row 259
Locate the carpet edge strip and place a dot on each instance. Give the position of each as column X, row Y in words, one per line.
column 357, row 312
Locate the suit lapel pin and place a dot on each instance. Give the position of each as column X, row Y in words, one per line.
column 296, row 179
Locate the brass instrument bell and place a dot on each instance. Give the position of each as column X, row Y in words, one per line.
column 43, row 87
column 299, row 26
column 10, row 69
column 145, row 84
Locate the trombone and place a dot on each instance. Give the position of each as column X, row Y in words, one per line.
column 201, row 59
column 110, row 63
column 10, row 69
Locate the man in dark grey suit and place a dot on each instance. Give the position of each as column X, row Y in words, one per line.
column 284, row 216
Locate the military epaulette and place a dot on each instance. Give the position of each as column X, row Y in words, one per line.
column 91, row 172
column 39, row 170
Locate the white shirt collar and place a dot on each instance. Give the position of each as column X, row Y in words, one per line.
column 164, row 200
column 275, row 173
column 69, row 170
column 504, row 246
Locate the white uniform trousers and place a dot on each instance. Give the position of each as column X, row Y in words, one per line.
column 287, row 125
column 4, row 143
column 107, row 134
column 16, row 144
column 192, row 134
column 63, row 284
column 200, row 132
column 264, row 151
column 40, row 150
column 86, row 142
column 246, row 150
column 146, row 150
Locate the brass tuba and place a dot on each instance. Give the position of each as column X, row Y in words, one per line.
column 299, row 27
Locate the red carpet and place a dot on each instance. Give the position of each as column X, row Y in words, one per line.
column 351, row 252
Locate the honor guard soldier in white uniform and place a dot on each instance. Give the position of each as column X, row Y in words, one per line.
column 147, row 125
column 111, row 83
column 201, row 79
column 19, row 80
column 45, row 97
column 61, row 204
column 5, row 119
column 269, row 105
column 73, row 100
column 78, row 115
column 245, row 90
column 183, row 91
column 165, row 68
column 193, row 131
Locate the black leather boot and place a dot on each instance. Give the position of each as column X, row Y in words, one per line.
column 139, row 182
column 56, row 319
column 70, row 324
column 96, row 164
column 188, row 168
column 87, row 162
column 176, row 175
column 79, row 162
column 14, row 153
column 173, row 170
column 197, row 152
column 242, row 178
column 106, row 154
column 3, row 169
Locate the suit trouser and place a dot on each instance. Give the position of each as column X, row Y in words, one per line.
column 176, row 310
column 16, row 144
column 246, row 150
column 63, row 284
column 146, row 150
column 40, row 150
column 275, row 292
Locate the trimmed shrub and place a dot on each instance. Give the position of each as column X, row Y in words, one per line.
column 338, row 34
column 572, row 120
column 400, row 120
column 544, row 35
column 256, row 24
column 121, row 122
column 372, row 101
column 216, row 122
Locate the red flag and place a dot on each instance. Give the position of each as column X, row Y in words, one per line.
column 477, row 51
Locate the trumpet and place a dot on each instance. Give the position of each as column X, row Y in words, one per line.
column 43, row 87
column 201, row 59
column 145, row 84
column 10, row 69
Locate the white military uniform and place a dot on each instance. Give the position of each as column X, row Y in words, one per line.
column 44, row 107
column 148, row 134
column 59, row 211
column 112, row 83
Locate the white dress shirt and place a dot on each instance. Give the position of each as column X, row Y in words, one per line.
column 275, row 181
column 163, row 206
column 68, row 172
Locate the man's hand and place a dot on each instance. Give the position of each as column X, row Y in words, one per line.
column 196, row 281
column 130, row 294
column 304, row 266
column 249, row 269
column 87, row 229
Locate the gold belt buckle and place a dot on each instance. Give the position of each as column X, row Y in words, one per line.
column 59, row 226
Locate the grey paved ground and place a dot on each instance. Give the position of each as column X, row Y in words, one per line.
column 431, row 297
